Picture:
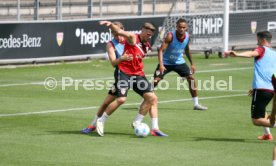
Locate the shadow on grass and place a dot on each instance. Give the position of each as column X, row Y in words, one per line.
column 160, row 108
column 94, row 133
column 228, row 140
column 68, row 132
column 178, row 109
column 130, row 108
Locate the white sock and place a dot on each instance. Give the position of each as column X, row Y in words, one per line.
column 273, row 162
column 154, row 123
column 93, row 123
column 195, row 99
column 104, row 117
column 139, row 118
column 267, row 130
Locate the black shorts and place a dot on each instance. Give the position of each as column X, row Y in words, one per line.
column 260, row 100
column 182, row 70
column 113, row 90
column 123, row 82
column 274, row 82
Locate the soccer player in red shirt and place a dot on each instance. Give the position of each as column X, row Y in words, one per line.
column 131, row 75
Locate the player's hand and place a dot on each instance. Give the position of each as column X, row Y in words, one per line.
column 272, row 119
column 230, row 53
column 107, row 23
column 127, row 57
column 226, row 54
column 250, row 92
column 193, row 69
column 162, row 69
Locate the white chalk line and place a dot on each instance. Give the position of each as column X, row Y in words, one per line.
column 127, row 104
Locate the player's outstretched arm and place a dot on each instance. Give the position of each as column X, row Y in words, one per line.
column 245, row 54
column 130, row 37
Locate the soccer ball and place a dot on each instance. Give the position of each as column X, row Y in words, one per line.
column 142, row 130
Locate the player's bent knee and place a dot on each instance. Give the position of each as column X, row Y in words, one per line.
column 150, row 97
column 121, row 100
column 256, row 122
column 153, row 99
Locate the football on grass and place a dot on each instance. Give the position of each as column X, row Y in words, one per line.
column 142, row 130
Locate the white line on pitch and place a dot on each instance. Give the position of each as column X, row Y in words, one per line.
column 129, row 104
column 109, row 78
column 216, row 90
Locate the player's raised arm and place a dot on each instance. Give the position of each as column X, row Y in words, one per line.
column 130, row 37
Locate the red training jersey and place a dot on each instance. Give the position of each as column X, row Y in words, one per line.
column 261, row 52
column 138, row 51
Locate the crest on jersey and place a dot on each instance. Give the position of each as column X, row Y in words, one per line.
column 59, row 38
column 123, row 91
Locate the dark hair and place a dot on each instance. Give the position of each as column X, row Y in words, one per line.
column 265, row 35
column 181, row 20
column 149, row 26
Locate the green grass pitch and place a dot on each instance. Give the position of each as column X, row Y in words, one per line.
column 42, row 127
